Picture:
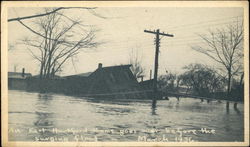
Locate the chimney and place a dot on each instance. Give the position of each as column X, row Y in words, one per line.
column 99, row 65
column 23, row 72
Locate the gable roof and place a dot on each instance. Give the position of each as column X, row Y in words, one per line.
column 117, row 66
column 110, row 69
column 114, row 73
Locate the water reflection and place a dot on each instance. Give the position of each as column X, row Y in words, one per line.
column 44, row 115
column 109, row 107
column 236, row 109
column 227, row 107
column 226, row 120
column 154, row 107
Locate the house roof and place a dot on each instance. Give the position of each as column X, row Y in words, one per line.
column 79, row 75
column 117, row 66
column 85, row 74
column 111, row 68
column 108, row 68
column 114, row 71
column 18, row 75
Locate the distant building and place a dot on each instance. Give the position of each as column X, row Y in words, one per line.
column 19, row 75
column 16, row 80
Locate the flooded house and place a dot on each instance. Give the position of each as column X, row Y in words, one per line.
column 17, row 80
column 106, row 82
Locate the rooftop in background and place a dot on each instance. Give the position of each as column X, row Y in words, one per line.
column 18, row 75
column 79, row 75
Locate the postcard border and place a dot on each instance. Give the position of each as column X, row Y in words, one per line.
column 4, row 65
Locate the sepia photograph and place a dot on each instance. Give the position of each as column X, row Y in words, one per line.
column 125, row 73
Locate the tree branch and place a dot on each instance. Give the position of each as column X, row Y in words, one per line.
column 47, row 13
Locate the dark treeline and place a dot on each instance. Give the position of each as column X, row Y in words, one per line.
column 204, row 81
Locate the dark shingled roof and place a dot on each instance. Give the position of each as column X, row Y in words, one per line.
column 110, row 68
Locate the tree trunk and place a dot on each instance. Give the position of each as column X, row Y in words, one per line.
column 235, row 105
column 241, row 85
column 241, row 79
column 41, row 71
column 229, row 83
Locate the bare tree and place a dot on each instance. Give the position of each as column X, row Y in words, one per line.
column 201, row 80
column 225, row 46
column 57, row 40
column 137, row 69
column 169, row 82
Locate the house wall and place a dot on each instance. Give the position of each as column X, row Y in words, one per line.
column 17, row 84
column 76, row 85
column 115, row 81
column 52, row 85
column 67, row 86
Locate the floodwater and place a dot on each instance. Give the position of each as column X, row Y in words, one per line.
column 55, row 117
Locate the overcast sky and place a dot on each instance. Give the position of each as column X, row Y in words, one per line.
column 123, row 31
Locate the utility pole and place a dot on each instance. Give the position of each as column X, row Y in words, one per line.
column 157, row 46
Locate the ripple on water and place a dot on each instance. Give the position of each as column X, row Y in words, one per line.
column 33, row 110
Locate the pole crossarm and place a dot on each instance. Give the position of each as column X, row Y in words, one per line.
column 153, row 32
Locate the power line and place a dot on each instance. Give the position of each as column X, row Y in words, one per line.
column 205, row 25
column 198, row 23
